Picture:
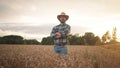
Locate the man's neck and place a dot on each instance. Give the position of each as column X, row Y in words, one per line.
column 63, row 23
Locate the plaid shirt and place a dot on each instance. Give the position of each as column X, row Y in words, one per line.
column 64, row 30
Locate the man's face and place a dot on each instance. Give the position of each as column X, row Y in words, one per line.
column 62, row 19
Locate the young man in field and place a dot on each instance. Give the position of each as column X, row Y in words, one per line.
column 60, row 34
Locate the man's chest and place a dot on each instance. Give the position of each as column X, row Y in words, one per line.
column 61, row 28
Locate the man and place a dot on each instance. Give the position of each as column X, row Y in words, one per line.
column 60, row 34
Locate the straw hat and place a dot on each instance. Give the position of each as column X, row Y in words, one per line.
column 63, row 15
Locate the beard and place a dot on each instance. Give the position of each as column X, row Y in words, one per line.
column 62, row 22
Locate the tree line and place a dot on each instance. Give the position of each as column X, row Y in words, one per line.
column 88, row 38
column 15, row 39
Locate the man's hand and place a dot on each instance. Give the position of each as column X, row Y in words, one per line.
column 58, row 35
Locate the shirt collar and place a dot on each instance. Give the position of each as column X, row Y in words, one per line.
column 62, row 24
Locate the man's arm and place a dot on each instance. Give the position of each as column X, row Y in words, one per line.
column 53, row 33
column 66, row 32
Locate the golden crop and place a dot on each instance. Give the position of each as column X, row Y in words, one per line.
column 36, row 56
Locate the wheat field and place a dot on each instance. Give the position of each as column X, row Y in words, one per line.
column 37, row 56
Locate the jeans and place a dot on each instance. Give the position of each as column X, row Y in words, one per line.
column 62, row 50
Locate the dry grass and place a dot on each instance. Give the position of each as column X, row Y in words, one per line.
column 35, row 56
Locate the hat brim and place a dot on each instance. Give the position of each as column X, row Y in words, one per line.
column 59, row 16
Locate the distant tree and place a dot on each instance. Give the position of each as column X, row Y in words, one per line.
column 76, row 34
column 15, row 39
column 106, row 37
column 73, row 40
column 81, row 41
column 90, row 38
column 76, row 40
column 0, row 40
column 12, row 39
column 47, row 41
column 114, row 37
column 97, row 40
column 31, row 41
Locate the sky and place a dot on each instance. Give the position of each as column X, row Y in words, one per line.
column 34, row 19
